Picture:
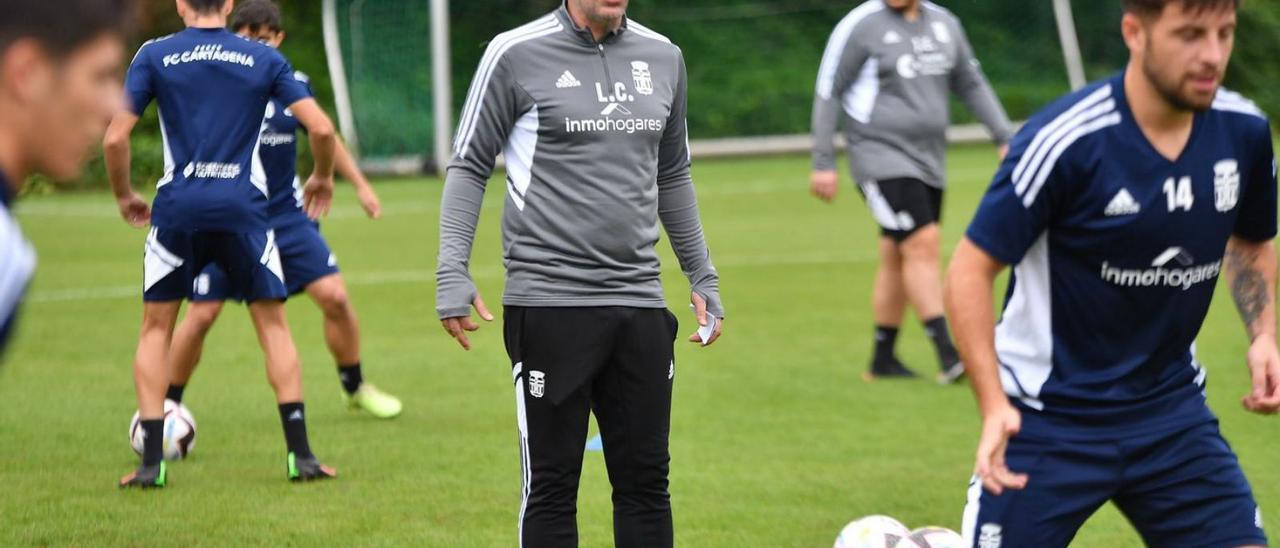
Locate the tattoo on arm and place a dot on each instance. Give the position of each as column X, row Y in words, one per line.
column 1248, row 286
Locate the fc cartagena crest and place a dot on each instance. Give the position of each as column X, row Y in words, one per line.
column 1226, row 184
column 643, row 78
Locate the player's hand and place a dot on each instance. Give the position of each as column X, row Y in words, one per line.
column 317, row 196
column 459, row 326
column 700, row 310
column 369, row 201
column 824, row 184
column 1003, row 151
column 997, row 427
column 134, row 210
column 1264, row 369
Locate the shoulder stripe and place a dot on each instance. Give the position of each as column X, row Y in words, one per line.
column 17, row 262
column 485, row 67
column 497, row 48
column 836, row 44
column 148, row 43
column 1094, row 125
column 646, row 32
column 1067, row 117
column 1230, row 101
column 1036, row 161
column 1242, row 109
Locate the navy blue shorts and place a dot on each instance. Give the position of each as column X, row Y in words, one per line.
column 1182, row 488
column 173, row 258
column 304, row 254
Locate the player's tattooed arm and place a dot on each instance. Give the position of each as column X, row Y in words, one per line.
column 1251, row 273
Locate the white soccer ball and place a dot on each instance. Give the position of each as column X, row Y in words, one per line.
column 179, row 431
column 872, row 532
column 932, row 537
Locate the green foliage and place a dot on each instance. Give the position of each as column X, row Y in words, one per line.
column 752, row 64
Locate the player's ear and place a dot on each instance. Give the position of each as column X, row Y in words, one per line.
column 279, row 38
column 25, row 70
column 1134, row 30
column 228, row 7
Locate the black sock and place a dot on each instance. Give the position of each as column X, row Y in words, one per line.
column 175, row 392
column 886, row 338
column 351, row 377
column 153, row 441
column 937, row 330
column 295, row 428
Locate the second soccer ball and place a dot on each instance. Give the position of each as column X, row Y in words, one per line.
column 179, row 431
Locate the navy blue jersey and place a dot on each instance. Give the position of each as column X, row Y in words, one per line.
column 1116, row 251
column 17, row 261
column 279, row 155
column 212, row 89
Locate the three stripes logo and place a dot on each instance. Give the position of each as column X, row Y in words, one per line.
column 567, row 80
column 1122, row 204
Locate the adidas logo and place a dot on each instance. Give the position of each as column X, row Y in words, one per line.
column 296, row 415
column 892, row 37
column 567, row 81
column 1122, row 204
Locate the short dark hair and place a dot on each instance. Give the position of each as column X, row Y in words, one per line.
column 62, row 26
column 1155, row 7
column 257, row 14
column 206, row 6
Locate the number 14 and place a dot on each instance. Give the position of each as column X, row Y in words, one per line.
column 1178, row 193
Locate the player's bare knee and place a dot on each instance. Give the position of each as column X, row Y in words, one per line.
column 921, row 245
column 201, row 317
column 159, row 317
column 333, row 299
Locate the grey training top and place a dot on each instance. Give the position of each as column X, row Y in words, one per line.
column 596, row 149
column 892, row 78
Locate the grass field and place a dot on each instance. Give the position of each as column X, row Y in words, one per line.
column 776, row 441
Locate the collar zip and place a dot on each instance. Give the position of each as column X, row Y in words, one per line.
column 584, row 34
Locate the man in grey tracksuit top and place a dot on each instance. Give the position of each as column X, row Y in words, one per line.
column 588, row 108
column 887, row 74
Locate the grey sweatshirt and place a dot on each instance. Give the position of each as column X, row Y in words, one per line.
column 595, row 143
column 892, row 79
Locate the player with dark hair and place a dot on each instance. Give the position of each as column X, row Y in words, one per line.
column 1115, row 207
column 212, row 89
column 59, row 86
column 305, row 258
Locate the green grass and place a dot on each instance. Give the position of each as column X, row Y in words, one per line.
column 776, row 441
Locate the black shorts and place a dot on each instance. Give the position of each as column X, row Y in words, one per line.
column 902, row 206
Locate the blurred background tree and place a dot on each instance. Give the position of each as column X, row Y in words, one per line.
column 752, row 63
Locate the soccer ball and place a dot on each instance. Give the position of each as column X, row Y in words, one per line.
column 179, row 431
column 932, row 537
column 872, row 532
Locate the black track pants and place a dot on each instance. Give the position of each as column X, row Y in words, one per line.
column 616, row 362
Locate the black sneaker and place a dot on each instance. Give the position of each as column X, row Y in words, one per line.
column 888, row 369
column 952, row 371
column 308, row 468
column 147, row 477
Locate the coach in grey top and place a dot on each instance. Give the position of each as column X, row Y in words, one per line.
column 588, row 108
column 887, row 73
column 595, row 143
